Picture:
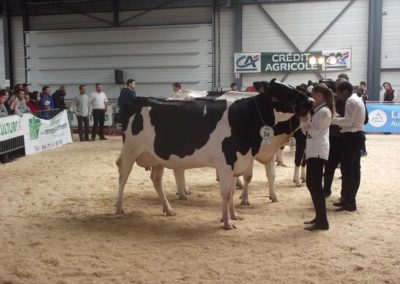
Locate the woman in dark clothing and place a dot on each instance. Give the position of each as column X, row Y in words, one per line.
column 389, row 92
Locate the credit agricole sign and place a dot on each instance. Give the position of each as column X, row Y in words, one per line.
column 264, row 62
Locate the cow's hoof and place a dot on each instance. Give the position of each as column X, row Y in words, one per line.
column 237, row 217
column 303, row 180
column 273, row 198
column 245, row 202
column 119, row 212
column 169, row 212
column 298, row 184
column 229, row 226
column 187, row 191
column 183, row 198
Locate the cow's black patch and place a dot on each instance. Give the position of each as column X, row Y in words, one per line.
column 245, row 122
column 137, row 124
column 181, row 127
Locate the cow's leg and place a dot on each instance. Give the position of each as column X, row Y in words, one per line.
column 227, row 185
column 247, row 176
column 239, row 183
column 232, row 209
column 124, row 163
column 296, row 176
column 303, row 174
column 156, row 177
column 270, row 172
column 181, row 184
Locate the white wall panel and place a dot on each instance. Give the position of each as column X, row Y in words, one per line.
column 2, row 61
column 226, row 34
column 303, row 22
column 69, row 21
column 154, row 56
column 18, row 55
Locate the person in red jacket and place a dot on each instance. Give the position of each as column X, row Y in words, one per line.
column 32, row 101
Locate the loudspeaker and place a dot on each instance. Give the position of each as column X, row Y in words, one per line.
column 119, row 77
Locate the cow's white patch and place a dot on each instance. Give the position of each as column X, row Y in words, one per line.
column 282, row 116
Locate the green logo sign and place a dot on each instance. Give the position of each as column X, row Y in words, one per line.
column 289, row 62
column 34, row 126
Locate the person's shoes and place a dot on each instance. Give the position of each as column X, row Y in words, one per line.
column 339, row 203
column 317, row 226
column 103, row 138
column 310, row 222
column 350, row 208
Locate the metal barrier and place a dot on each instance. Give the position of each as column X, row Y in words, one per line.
column 47, row 114
column 11, row 145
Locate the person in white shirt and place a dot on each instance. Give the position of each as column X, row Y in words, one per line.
column 352, row 124
column 99, row 103
column 82, row 110
column 317, row 151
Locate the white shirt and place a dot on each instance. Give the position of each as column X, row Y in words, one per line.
column 354, row 115
column 317, row 144
column 98, row 100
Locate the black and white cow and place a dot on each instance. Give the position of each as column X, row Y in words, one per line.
column 207, row 133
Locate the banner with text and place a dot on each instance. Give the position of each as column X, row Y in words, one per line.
column 264, row 62
column 383, row 118
column 41, row 135
column 10, row 127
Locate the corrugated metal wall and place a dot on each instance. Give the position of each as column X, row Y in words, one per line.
column 154, row 56
column 391, row 43
column 303, row 22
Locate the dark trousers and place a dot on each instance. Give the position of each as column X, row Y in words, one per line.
column 315, row 168
column 299, row 158
column 98, row 122
column 335, row 155
column 363, row 147
column 83, row 121
column 350, row 166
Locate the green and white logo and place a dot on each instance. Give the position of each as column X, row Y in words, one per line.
column 34, row 126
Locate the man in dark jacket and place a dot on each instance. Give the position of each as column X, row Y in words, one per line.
column 58, row 98
column 124, row 99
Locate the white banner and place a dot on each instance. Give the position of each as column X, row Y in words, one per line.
column 41, row 135
column 10, row 127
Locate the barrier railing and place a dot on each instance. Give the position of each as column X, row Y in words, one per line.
column 11, row 145
column 47, row 114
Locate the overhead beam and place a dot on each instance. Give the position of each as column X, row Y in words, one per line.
column 115, row 4
column 147, row 11
column 374, row 48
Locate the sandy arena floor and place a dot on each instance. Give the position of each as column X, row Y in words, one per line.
column 57, row 225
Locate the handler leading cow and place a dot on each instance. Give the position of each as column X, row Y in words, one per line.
column 225, row 135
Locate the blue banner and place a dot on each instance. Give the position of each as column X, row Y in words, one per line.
column 383, row 118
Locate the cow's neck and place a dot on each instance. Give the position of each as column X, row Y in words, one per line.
column 268, row 151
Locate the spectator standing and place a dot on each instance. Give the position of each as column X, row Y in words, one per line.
column 82, row 110
column 177, row 87
column 4, row 158
column 25, row 86
column 124, row 102
column 46, row 101
column 99, row 103
column 235, row 87
column 352, row 124
column 362, row 91
column 388, row 96
column 58, row 98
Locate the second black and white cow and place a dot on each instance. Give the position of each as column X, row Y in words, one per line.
column 225, row 135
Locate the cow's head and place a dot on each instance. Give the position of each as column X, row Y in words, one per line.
column 288, row 99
